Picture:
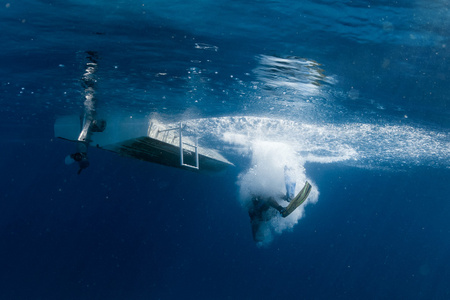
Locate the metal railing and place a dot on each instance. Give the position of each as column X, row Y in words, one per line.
column 182, row 144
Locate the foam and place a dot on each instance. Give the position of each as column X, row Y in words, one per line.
column 356, row 144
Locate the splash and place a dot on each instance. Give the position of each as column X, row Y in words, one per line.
column 271, row 144
column 265, row 178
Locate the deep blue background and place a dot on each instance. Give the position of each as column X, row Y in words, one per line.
column 126, row 229
column 129, row 229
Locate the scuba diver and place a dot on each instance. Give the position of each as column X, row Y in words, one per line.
column 262, row 209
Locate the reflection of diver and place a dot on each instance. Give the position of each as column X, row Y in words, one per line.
column 89, row 122
column 263, row 209
column 81, row 156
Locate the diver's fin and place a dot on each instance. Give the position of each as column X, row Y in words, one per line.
column 298, row 200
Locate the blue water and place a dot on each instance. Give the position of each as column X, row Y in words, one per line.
column 354, row 95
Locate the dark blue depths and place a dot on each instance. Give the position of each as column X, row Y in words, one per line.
column 125, row 229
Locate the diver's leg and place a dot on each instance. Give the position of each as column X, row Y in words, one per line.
column 256, row 225
column 275, row 204
column 289, row 180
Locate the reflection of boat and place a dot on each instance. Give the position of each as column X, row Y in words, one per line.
column 147, row 140
column 291, row 72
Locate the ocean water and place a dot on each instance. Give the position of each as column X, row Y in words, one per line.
column 353, row 95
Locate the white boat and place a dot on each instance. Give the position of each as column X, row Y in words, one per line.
column 148, row 140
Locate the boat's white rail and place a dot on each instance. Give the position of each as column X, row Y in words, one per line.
column 170, row 135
